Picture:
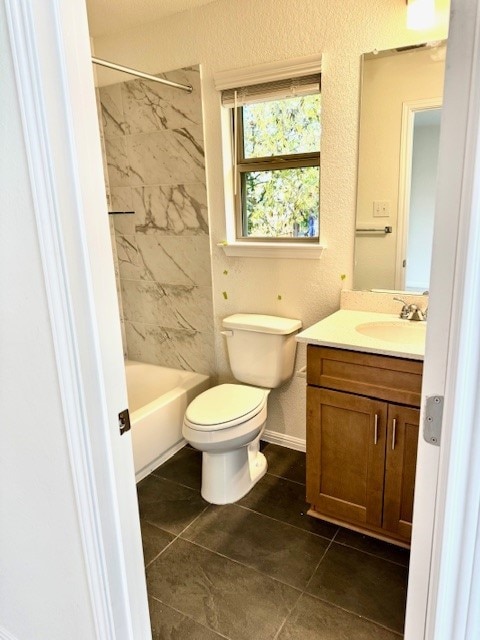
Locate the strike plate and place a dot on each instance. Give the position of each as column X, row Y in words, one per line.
column 432, row 422
column 124, row 421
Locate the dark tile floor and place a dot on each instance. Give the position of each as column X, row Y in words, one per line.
column 261, row 568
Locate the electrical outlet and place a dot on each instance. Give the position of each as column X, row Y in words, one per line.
column 381, row 208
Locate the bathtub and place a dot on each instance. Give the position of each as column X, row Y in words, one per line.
column 157, row 398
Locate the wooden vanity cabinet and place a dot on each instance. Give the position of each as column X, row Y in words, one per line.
column 362, row 431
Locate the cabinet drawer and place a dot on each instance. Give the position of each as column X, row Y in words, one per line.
column 383, row 377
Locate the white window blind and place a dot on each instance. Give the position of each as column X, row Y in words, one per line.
column 276, row 90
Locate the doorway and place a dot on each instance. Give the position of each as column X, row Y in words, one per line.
column 417, row 188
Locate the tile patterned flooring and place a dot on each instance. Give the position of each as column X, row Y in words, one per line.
column 261, row 569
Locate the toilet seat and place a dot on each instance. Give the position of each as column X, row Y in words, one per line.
column 225, row 406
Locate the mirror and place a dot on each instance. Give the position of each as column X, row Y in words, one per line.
column 400, row 107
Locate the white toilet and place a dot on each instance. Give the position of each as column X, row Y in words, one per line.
column 226, row 422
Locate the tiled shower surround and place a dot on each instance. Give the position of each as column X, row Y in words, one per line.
column 153, row 137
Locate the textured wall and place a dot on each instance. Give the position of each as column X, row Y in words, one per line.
column 230, row 34
column 155, row 163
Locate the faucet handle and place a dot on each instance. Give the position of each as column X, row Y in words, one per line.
column 404, row 313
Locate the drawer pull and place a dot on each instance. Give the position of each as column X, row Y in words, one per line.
column 375, row 438
column 394, row 425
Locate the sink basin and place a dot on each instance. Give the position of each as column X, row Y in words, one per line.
column 405, row 332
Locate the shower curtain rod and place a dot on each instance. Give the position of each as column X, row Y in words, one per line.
column 140, row 74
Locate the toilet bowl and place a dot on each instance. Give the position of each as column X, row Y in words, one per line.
column 226, row 422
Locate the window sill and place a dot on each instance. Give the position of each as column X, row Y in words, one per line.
column 297, row 250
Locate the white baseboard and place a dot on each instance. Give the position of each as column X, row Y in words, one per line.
column 290, row 442
column 284, row 441
column 166, row 455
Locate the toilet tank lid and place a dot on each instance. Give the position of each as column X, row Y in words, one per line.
column 262, row 323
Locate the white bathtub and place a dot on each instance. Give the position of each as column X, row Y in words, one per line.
column 157, row 398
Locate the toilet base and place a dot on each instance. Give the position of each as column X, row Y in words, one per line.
column 228, row 476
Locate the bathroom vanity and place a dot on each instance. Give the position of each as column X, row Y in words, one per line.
column 363, row 407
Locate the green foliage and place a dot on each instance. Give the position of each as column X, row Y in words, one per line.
column 282, row 127
column 282, row 202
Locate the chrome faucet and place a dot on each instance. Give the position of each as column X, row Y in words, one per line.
column 411, row 311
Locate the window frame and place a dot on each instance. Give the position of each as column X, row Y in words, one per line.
column 266, row 163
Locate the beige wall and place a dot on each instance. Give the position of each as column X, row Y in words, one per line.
column 230, row 34
column 387, row 83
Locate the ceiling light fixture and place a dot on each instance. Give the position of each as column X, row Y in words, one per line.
column 420, row 14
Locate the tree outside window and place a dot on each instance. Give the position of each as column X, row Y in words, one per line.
column 279, row 168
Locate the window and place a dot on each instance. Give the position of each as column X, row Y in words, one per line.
column 277, row 160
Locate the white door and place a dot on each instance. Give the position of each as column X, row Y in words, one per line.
column 442, row 584
column 52, row 61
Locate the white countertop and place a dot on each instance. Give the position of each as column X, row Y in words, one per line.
column 339, row 331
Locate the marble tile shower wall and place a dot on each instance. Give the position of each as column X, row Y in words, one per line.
column 112, row 228
column 156, row 168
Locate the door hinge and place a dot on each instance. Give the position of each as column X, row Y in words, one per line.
column 432, row 421
column 124, row 421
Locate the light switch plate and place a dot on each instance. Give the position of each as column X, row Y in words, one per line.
column 381, row 208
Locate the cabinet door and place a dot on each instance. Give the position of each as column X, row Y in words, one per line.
column 401, row 461
column 346, row 437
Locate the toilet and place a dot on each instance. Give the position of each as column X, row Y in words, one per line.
column 226, row 421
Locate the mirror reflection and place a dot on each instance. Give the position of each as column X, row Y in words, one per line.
column 400, row 113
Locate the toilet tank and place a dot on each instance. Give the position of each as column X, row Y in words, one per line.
column 261, row 348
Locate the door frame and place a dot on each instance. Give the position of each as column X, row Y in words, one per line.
column 409, row 109
column 444, row 588
column 51, row 55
